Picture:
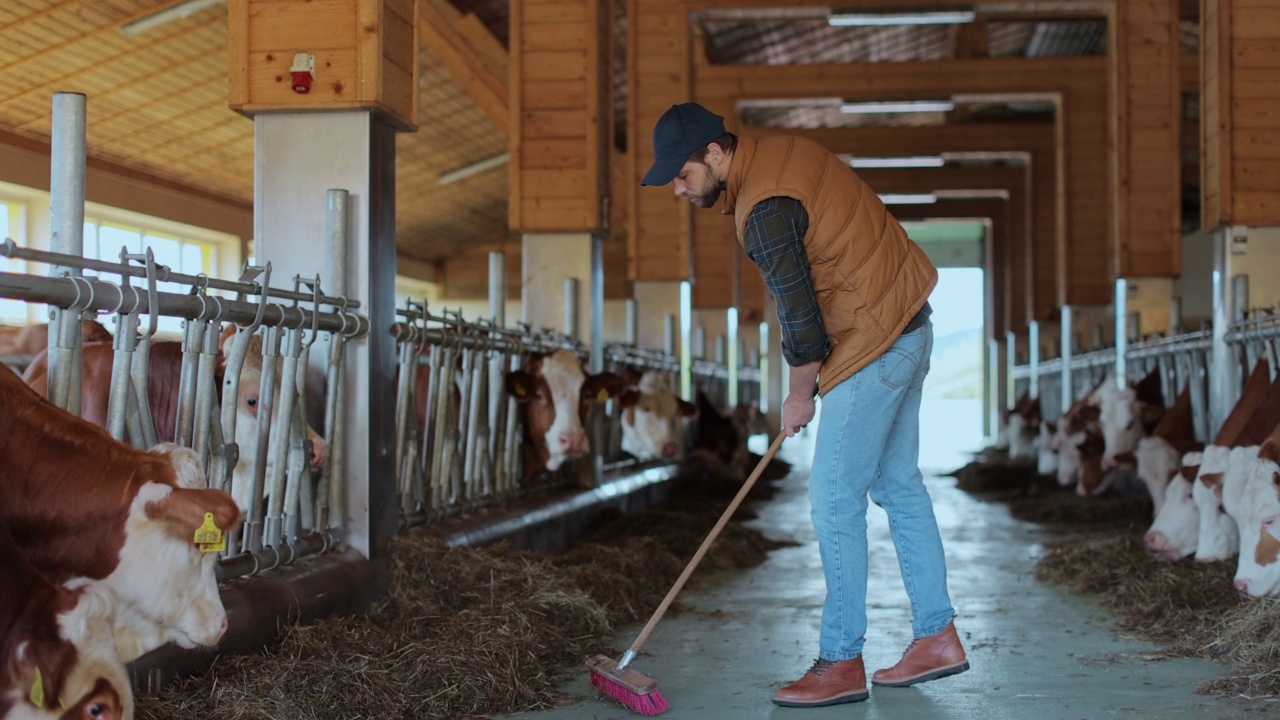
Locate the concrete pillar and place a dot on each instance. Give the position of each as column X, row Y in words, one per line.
column 548, row 259
column 298, row 157
column 655, row 301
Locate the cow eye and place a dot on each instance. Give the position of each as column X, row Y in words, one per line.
column 251, row 402
column 1268, row 522
column 96, row 710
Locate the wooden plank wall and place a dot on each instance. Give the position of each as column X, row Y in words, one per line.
column 366, row 55
column 1240, row 112
column 558, row 174
column 658, row 77
column 1146, row 98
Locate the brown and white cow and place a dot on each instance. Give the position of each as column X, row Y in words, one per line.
column 81, row 504
column 1258, row 569
column 651, row 415
column 57, row 648
column 32, row 339
column 1023, row 427
column 1127, row 415
column 555, row 393
column 1157, row 455
column 1174, row 524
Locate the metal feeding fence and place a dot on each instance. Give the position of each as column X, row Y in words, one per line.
column 288, row 512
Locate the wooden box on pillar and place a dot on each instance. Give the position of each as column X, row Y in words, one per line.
column 365, row 55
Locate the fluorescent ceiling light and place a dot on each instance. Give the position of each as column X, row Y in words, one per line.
column 973, row 194
column 908, row 198
column 862, row 19
column 166, row 14
column 914, row 161
column 898, row 106
column 474, row 168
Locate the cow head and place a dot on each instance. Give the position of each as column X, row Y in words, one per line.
column 1173, row 534
column 1121, row 418
column 1216, row 535
column 651, row 412
column 1047, row 454
column 249, row 399
column 58, row 648
column 160, row 544
column 1157, row 463
column 555, row 393
column 1258, row 571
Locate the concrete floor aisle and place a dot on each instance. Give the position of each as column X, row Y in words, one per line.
column 1037, row 652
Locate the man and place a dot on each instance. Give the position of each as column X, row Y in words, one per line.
column 851, row 292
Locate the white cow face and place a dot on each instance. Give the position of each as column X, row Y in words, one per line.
column 1121, row 421
column 1174, row 533
column 1218, row 537
column 1157, row 464
column 1258, row 571
column 651, row 416
column 1047, row 457
column 1068, row 455
column 1022, row 437
column 165, row 583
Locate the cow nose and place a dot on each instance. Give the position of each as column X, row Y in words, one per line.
column 1242, row 587
column 319, row 453
column 669, row 450
column 1156, row 541
column 222, row 629
column 1108, row 462
column 573, row 442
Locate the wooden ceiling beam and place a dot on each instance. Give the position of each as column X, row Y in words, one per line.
column 471, row 54
column 1059, row 7
column 902, row 80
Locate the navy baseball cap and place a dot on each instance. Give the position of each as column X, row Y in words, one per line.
column 680, row 131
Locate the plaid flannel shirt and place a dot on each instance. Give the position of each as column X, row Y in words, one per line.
column 774, row 240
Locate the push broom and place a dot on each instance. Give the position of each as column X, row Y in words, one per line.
column 637, row 691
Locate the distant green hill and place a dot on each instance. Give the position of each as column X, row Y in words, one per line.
column 955, row 369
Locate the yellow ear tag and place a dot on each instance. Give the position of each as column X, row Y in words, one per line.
column 519, row 390
column 209, row 537
column 602, row 395
column 37, row 690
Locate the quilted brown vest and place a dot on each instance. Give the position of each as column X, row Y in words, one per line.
column 870, row 278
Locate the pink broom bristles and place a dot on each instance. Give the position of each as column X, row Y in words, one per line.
column 650, row 703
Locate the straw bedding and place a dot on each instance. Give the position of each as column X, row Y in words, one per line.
column 469, row 632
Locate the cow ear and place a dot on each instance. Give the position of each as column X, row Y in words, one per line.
column 521, row 385
column 630, row 376
column 629, row 398
column 1270, row 450
column 185, row 509
column 1189, row 472
column 186, row 464
column 1090, row 413
column 602, row 386
column 1211, row 480
column 687, row 409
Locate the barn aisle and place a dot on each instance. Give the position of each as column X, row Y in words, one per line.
column 1037, row 651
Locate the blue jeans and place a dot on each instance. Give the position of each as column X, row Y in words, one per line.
column 869, row 441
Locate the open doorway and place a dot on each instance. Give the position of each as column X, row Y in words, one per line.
column 951, row 410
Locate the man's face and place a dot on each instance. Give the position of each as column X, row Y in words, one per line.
column 696, row 183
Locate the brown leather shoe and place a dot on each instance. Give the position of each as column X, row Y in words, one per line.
column 930, row 658
column 828, row 682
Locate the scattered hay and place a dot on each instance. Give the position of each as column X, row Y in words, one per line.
column 1063, row 509
column 990, row 477
column 470, row 632
column 1248, row 636
column 1163, row 602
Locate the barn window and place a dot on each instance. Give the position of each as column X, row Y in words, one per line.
column 12, row 225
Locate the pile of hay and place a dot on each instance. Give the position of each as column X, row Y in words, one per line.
column 1167, row 603
column 1247, row 636
column 469, row 632
column 1064, row 510
column 983, row 477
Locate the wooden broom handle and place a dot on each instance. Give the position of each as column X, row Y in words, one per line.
column 706, row 544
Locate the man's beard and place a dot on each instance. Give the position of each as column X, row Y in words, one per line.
column 708, row 199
